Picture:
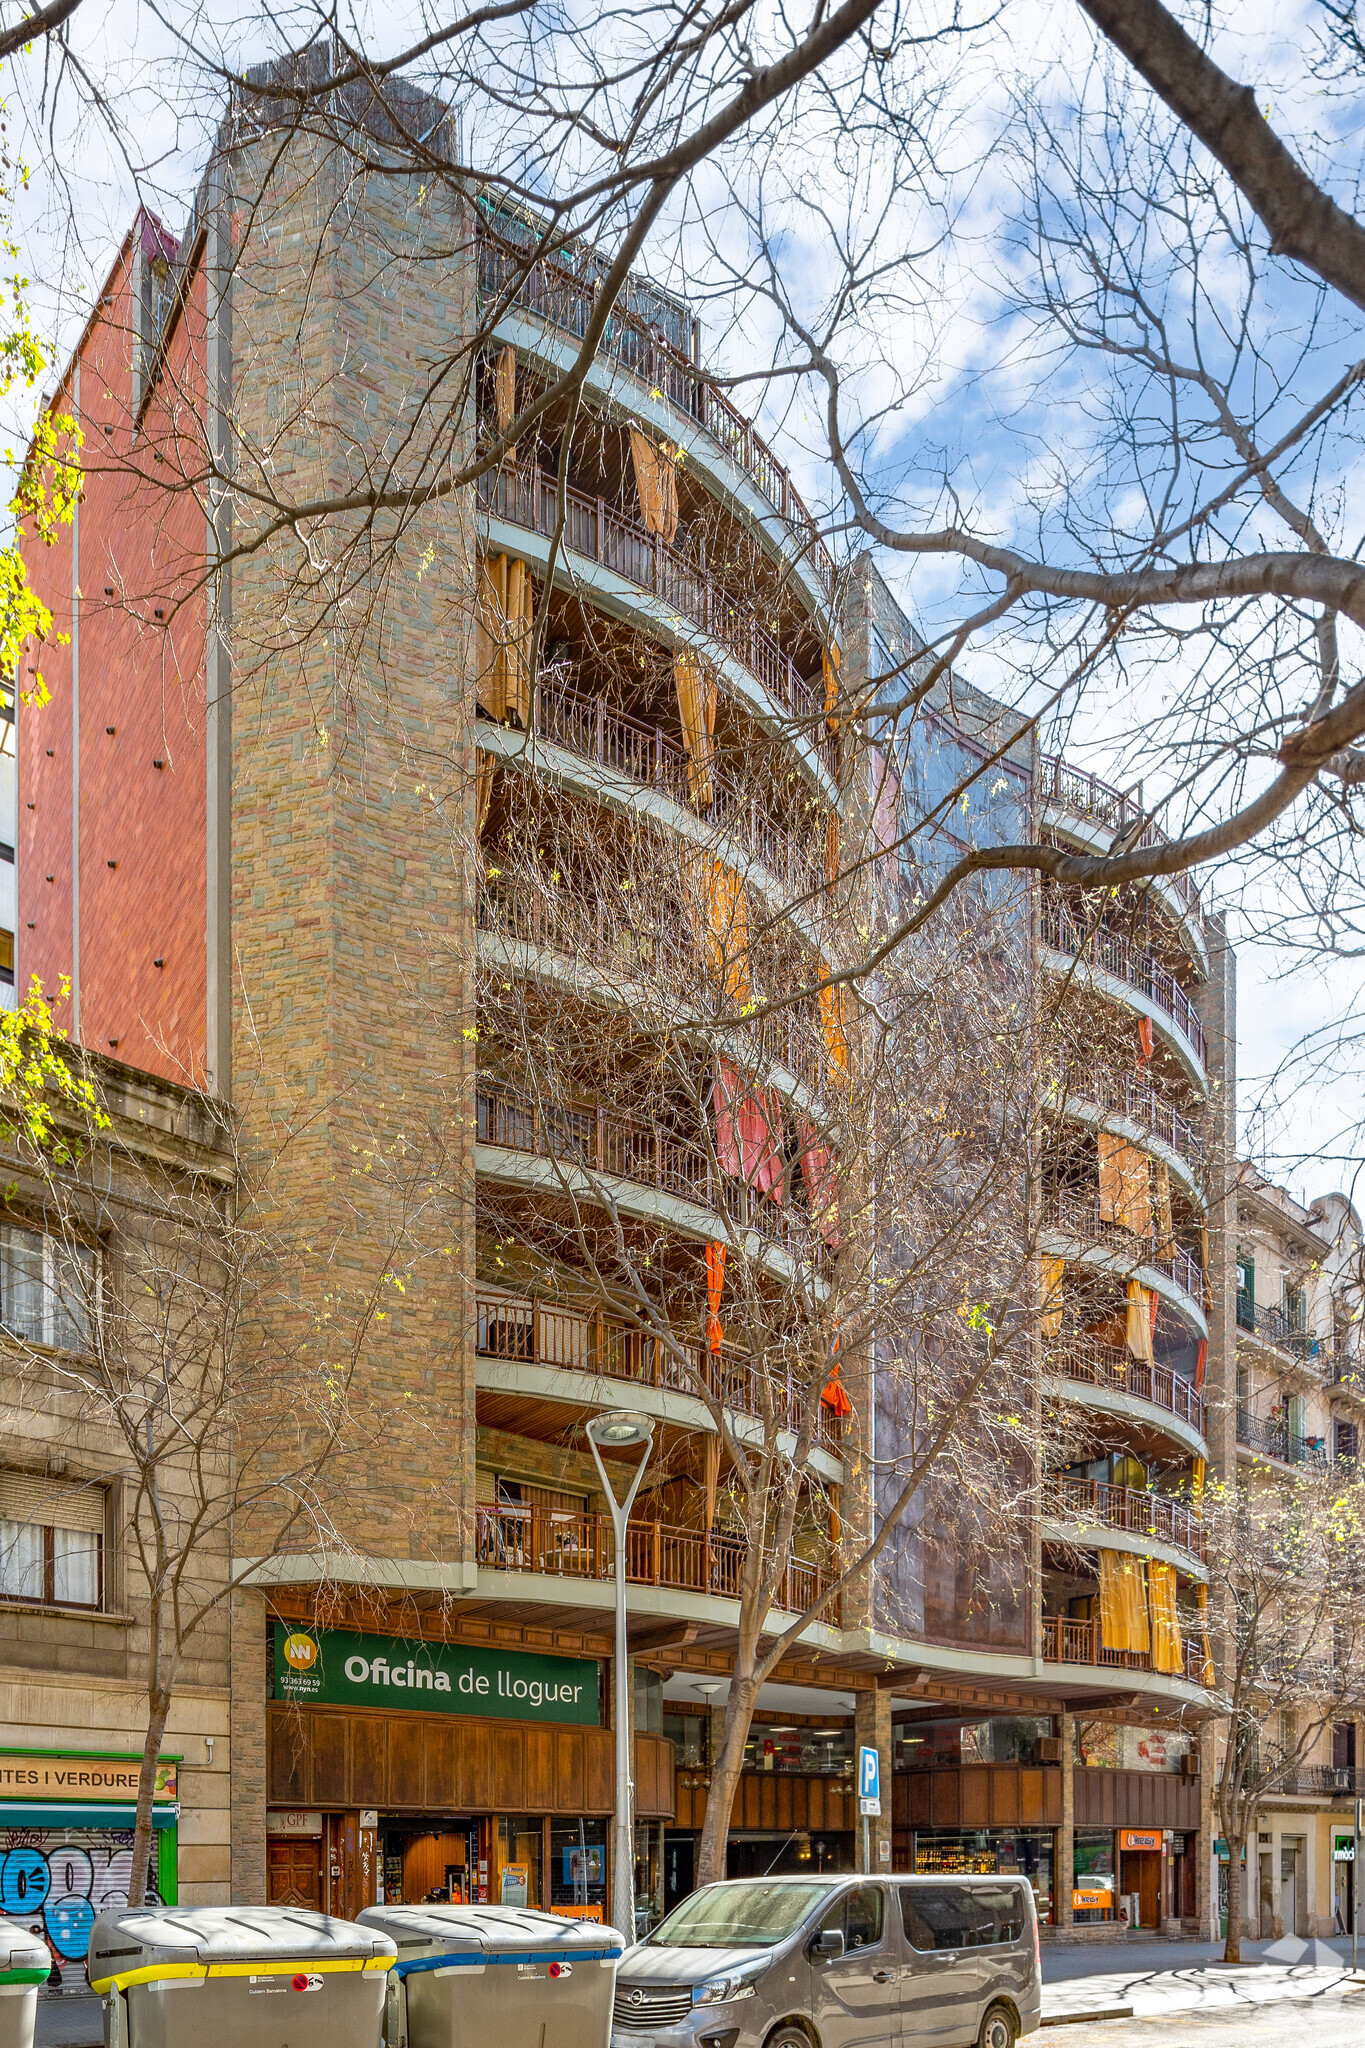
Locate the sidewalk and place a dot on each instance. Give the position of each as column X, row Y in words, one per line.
column 1153, row 1979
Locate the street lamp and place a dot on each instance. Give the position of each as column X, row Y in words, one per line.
column 622, row 1431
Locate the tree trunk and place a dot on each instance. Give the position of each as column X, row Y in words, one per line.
column 725, row 1773
column 1232, row 1941
column 158, row 1709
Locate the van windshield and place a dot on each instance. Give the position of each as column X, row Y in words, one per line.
column 738, row 1915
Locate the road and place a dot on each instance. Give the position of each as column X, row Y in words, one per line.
column 1332, row 2019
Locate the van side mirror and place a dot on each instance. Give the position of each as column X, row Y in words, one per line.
column 829, row 1942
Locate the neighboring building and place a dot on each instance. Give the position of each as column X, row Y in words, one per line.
column 241, row 912
column 9, row 888
column 74, row 1613
column 1301, row 1408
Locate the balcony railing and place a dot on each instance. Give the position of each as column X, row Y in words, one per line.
column 526, row 1330
column 555, row 295
column 1273, row 1438
column 1079, row 1216
column 1097, row 1365
column 563, row 1544
column 1078, row 1642
column 1118, row 957
column 1139, row 1103
column 596, row 532
column 591, row 729
column 1320, row 1781
column 1086, row 796
column 645, row 1154
column 635, row 948
column 1085, row 1501
column 1274, row 1327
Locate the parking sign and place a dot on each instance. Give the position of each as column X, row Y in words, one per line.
column 869, row 1782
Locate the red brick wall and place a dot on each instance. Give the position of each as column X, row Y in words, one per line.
column 141, row 551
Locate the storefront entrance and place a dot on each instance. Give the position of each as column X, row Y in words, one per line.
column 1140, row 1873
column 294, row 1872
column 553, row 1865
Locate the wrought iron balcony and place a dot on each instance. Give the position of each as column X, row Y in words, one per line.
column 1094, row 1503
column 1122, row 961
column 1272, row 1326
column 1273, row 1438
column 554, row 293
column 1079, row 1216
column 1086, row 796
column 1144, row 1106
column 1093, row 1364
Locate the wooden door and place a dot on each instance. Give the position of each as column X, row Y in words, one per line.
column 294, row 1872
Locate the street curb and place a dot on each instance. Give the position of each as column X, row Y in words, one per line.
column 1076, row 2019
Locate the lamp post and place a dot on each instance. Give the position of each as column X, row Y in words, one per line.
column 622, row 1431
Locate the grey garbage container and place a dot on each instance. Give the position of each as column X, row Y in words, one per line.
column 505, row 1976
column 25, row 1963
column 237, row 1977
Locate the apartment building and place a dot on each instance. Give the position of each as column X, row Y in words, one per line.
column 296, row 869
column 1299, row 1411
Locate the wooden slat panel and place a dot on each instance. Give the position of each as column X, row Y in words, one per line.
column 329, row 1733
column 539, row 1764
column 569, row 1770
column 838, row 1808
column 944, row 1799
column 767, row 1801
column 406, row 1746
column 900, row 1800
column 597, row 1772
column 508, row 1779
column 290, row 1758
column 920, row 1799
column 817, row 1789
column 974, row 1793
column 801, row 1803
column 442, row 1764
column 369, row 1760
column 785, row 1805
column 1005, row 1795
column 1031, row 1797
column 474, row 1763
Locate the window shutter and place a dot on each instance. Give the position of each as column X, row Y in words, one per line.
column 52, row 1502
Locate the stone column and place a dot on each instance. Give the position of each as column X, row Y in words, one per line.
column 1205, row 1885
column 247, row 1792
column 1064, row 1873
column 872, row 1730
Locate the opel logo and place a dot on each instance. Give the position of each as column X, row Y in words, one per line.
column 637, row 1997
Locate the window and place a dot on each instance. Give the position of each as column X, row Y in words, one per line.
column 1348, row 1443
column 7, row 957
column 51, row 1542
column 47, row 1288
column 1246, row 1291
column 687, row 1733
column 960, row 1915
column 859, row 1915
column 1295, row 1306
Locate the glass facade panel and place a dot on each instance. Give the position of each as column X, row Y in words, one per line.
column 23, row 1572
column 990, row 1852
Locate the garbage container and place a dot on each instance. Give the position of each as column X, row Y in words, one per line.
column 237, row 1977
column 502, row 1975
column 25, row 1963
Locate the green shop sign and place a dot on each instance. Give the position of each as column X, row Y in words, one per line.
column 331, row 1667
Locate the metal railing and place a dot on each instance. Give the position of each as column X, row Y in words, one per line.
column 638, row 947
column 1086, row 796
column 1321, row 1781
column 1085, row 1501
column 596, row 532
column 567, row 1545
column 1274, row 1327
column 1078, row 1642
column 552, row 292
column 1142, row 1104
column 1080, row 1217
column 1118, row 957
column 1093, row 1364
column 1275, row 1439
column 524, row 1329
column 646, row 1154
column 590, row 728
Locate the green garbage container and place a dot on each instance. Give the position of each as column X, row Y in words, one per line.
column 237, row 1977
column 496, row 1977
column 25, row 1963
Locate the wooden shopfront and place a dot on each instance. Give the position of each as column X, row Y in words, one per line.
column 379, row 1797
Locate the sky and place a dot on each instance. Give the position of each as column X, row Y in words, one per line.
column 946, row 368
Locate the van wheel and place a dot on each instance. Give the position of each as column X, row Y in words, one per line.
column 999, row 2029
column 788, row 2037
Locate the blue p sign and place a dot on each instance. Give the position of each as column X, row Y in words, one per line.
column 869, row 1774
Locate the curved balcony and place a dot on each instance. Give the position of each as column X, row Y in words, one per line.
column 619, row 1150
column 1109, row 954
column 551, row 291
column 1078, row 1642
column 1085, row 796
column 596, row 532
column 562, row 1544
column 524, row 1330
column 1090, row 1364
column 1092, row 1504
column 1080, row 1217
column 588, row 728
column 1143, row 1106
column 628, row 952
